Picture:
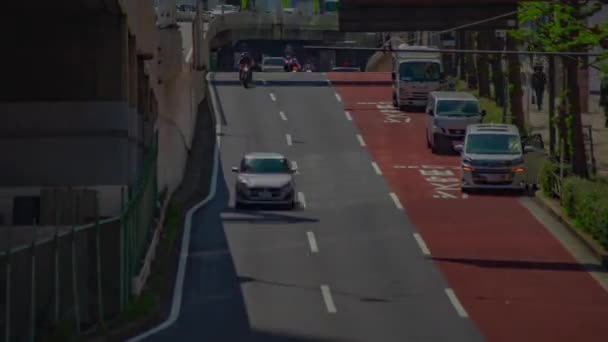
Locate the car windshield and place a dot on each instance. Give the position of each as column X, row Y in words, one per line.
column 493, row 144
column 419, row 71
column 457, row 107
column 265, row 165
column 274, row 61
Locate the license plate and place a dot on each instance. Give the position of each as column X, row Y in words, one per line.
column 495, row 177
column 265, row 194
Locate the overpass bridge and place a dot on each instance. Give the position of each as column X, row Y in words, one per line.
column 226, row 31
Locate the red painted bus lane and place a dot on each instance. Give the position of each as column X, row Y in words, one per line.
column 515, row 280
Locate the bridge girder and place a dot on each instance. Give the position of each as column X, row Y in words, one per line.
column 418, row 15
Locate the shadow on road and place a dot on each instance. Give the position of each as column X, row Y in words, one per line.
column 532, row 265
column 213, row 307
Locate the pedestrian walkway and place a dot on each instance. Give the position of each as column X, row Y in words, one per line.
column 539, row 123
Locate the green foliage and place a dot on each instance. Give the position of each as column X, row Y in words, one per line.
column 560, row 26
column 547, row 177
column 586, row 202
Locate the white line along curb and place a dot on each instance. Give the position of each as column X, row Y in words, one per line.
column 176, row 304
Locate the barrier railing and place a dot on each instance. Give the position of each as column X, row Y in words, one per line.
column 80, row 277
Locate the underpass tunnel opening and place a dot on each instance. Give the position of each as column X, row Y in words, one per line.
column 226, row 56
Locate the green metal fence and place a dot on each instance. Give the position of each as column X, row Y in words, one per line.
column 77, row 279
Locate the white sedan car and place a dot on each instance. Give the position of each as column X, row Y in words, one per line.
column 265, row 178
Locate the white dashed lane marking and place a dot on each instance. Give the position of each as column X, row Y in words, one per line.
column 361, row 141
column 396, row 201
column 329, row 301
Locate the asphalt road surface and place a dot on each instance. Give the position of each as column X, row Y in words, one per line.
column 345, row 266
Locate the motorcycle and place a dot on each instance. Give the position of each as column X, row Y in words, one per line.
column 245, row 76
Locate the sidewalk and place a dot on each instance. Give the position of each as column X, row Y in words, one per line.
column 539, row 123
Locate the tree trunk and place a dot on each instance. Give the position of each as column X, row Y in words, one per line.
column 470, row 61
column 483, row 70
column 579, row 159
column 563, row 116
column 462, row 68
column 515, row 91
column 552, row 87
column 497, row 74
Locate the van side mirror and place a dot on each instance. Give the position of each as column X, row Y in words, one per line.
column 458, row 147
column 431, row 112
column 393, row 76
column 529, row 149
column 483, row 113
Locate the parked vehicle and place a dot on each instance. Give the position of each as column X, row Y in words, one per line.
column 416, row 74
column 448, row 115
column 493, row 158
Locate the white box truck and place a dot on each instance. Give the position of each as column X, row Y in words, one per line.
column 416, row 74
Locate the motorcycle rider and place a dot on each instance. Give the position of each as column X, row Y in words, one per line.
column 290, row 63
column 308, row 67
column 245, row 60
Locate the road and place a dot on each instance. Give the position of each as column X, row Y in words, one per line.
column 512, row 275
column 347, row 266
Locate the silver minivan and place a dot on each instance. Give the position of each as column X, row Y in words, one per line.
column 448, row 115
column 493, row 157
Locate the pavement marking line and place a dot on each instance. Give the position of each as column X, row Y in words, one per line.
column 456, row 303
column 396, row 200
column 273, row 98
column 422, row 244
column 289, row 141
column 312, row 241
column 338, row 97
column 189, row 55
column 361, row 141
column 348, row 117
column 302, row 199
column 329, row 301
column 282, row 114
column 178, row 290
column 376, row 168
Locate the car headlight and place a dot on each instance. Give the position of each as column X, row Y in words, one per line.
column 437, row 129
column 287, row 187
column 467, row 160
column 242, row 185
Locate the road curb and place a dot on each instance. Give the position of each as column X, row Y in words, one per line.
column 554, row 208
